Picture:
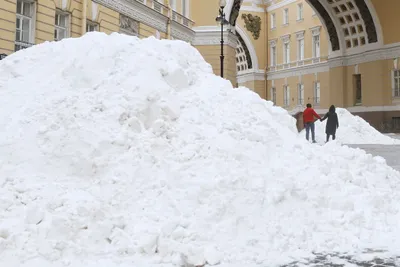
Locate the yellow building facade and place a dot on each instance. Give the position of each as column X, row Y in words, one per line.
column 24, row 23
column 293, row 52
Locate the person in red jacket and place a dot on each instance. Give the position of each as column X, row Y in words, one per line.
column 308, row 119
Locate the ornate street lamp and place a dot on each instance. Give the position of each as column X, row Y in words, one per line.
column 222, row 21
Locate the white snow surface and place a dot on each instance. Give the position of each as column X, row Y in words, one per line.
column 120, row 152
column 352, row 130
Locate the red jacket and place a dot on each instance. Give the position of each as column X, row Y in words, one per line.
column 309, row 114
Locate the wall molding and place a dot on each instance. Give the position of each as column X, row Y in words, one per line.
column 211, row 35
column 390, row 51
column 181, row 32
column 296, row 71
column 137, row 11
column 251, row 75
column 280, row 5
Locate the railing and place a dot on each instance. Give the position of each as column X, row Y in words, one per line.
column 164, row 10
column 182, row 19
column 298, row 63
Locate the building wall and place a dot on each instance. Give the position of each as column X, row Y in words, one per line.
column 107, row 19
column 296, row 72
column 7, row 25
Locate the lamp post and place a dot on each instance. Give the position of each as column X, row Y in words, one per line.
column 222, row 21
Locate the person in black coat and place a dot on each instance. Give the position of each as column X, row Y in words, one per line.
column 332, row 124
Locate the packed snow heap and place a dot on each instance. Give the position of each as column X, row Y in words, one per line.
column 123, row 152
column 353, row 130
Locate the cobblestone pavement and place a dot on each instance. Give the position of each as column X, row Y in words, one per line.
column 392, row 155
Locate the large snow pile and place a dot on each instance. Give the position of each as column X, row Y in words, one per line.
column 117, row 151
column 353, row 130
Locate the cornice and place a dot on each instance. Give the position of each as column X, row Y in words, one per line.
column 181, row 32
column 214, row 38
column 137, row 11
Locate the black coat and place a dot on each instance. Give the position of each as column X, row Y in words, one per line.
column 332, row 124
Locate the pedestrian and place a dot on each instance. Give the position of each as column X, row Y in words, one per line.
column 332, row 124
column 309, row 115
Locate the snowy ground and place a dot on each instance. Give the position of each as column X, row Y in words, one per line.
column 120, row 152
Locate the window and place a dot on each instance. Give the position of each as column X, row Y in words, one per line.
column 273, row 95
column 24, row 25
column 285, row 16
column 300, row 94
column 316, row 46
column 396, row 83
column 273, row 20
column 61, row 26
column 317, row 93
column 300, row 12
column 91, row 27
column 286, row 53
column 300, row 49
column 286, row 95
column 273, row 55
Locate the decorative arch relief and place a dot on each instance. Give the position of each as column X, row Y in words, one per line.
column 351, row 20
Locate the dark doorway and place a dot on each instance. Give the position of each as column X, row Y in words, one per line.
column 357, row 88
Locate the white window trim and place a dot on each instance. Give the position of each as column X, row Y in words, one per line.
column 273, row 95
column 32, row 35
column 315, row 93
column 285, row 18
column 68, row 22
column 300, row 94
column 286, row 95
column 273, row 60
column 300, row 37
column 273, row 21
column 286, row 60
column 393, row 83
column 300, row 12
column 92, row 23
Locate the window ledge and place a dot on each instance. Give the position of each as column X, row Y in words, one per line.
column 300, row 20
column 285, row 25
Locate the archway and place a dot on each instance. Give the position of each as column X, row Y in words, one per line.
column 352, row 25
column 248, row 48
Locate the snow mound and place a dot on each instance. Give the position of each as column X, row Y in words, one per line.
column 353, row 130
column 123, row 152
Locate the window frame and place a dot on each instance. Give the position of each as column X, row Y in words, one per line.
column 286, row 95
column 20, row 43
column 58, row 27
column 286, row 16
column 300, row 94
column 300, row 12
column 317, row 93
column 396, row 78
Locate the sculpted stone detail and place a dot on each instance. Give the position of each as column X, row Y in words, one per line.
column 128, row 24
column 235, row 12
column 368, row 21
column 330, row 26
column 252, row 24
